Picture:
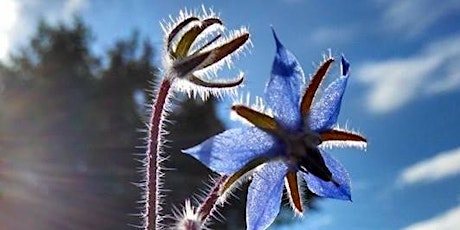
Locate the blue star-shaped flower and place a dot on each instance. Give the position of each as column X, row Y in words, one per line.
column 278, row 149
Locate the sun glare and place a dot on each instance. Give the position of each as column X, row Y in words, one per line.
column 9, row 12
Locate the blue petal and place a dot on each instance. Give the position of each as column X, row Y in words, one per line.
column 325, row 112
column 264, row 195
column 345, row 66
column 229, row 151
column 328, row 189
column 284, row 87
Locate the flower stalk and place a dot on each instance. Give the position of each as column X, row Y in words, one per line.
column 189, row 55
column 153, row 156
column 210, row 203
column 193, row 218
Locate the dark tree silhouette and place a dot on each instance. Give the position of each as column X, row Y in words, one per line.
column 69, row 126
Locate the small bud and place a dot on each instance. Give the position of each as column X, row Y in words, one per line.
column 196, row 48
column 189, row 219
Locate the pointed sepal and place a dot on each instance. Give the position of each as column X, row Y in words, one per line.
column 183, row 46
column 292, row 186
column 230, row 84
column 256, row 118
column 313, row 86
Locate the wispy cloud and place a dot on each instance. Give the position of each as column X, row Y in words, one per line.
column 412, row 17
column 442, row 165
column 72, row 7
column 395, row 82
column 449, row 220
column 332, row 35
column 19, row 18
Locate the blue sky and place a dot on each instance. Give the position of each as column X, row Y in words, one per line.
column 403, row 93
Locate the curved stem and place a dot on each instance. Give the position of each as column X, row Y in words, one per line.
column 152, row 205
column 210, row 203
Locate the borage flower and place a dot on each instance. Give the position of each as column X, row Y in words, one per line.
column 285, row 146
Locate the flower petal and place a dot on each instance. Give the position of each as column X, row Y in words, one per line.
column 264, row 195
column 284, row 87
column 329, row 189
column 345, row 66
column 324, row 113
column 229, row 151
column 251, row 165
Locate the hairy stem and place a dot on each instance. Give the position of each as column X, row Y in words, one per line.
column 152, row 206
column 210, row 203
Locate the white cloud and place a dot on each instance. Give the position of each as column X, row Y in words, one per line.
column 72, row 7
column 20, row 17
column 395, row 82
column 449, row 220
column 412, row 17
column 442, row 165
column 332, row 35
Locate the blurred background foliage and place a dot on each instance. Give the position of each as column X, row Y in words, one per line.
column 69, row 127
